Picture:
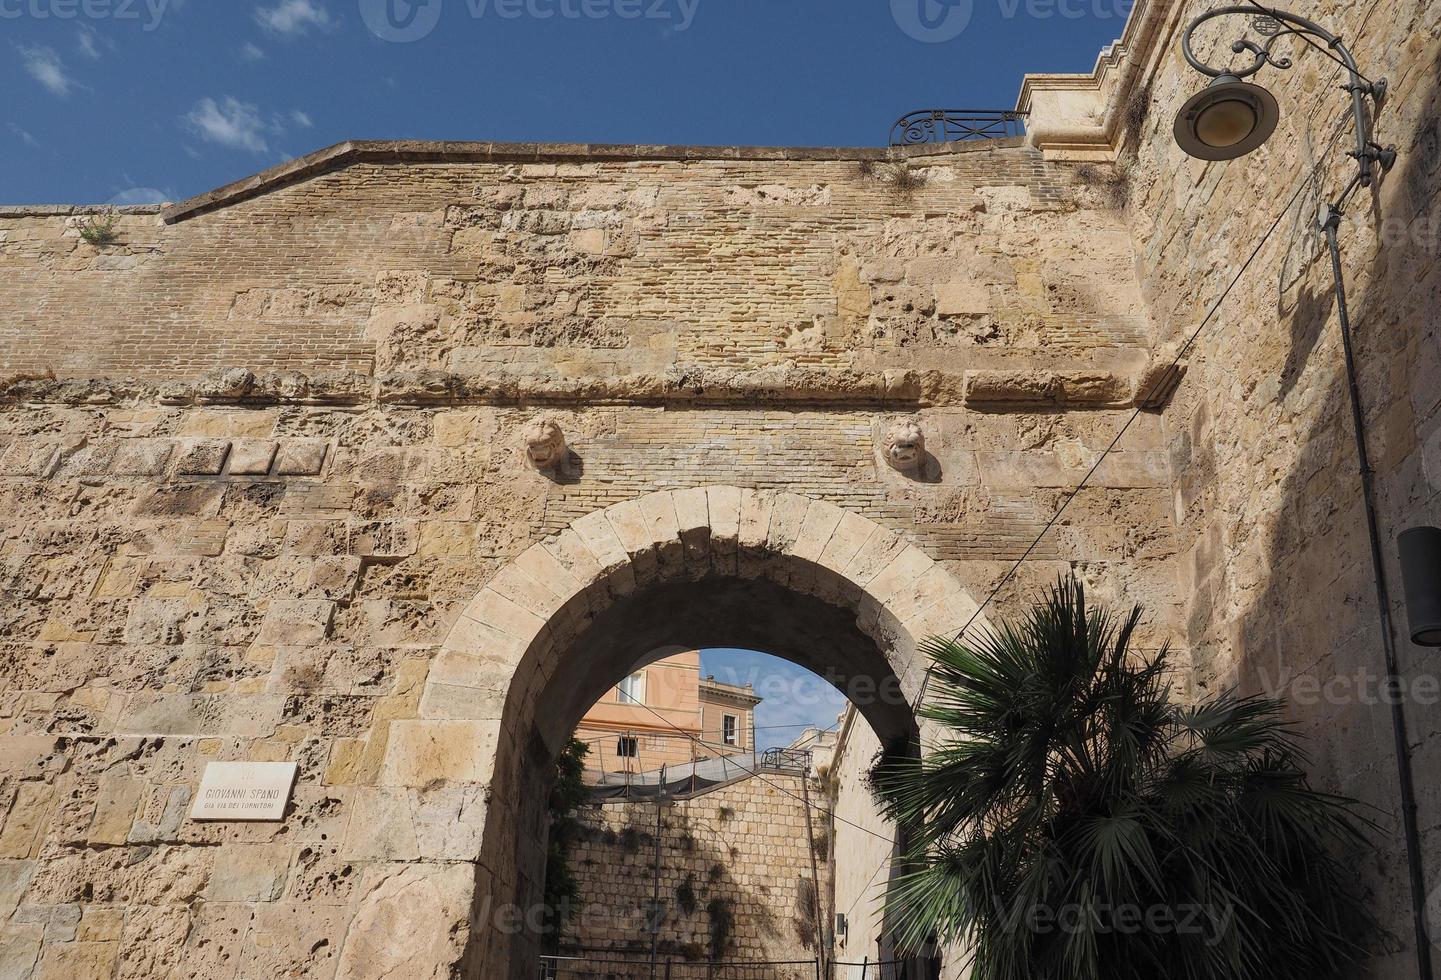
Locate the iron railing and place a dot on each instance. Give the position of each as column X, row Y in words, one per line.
column 956, row 125
column 796, row 761
column 671, row 968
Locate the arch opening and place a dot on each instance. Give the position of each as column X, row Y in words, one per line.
column 801, row 579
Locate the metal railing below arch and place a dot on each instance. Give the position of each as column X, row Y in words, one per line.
column 601, row 967
column 868, row 969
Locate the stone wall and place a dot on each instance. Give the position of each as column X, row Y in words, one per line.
column 1275, row 563
column 281, row 456
column 259, row 457
column 744, row 846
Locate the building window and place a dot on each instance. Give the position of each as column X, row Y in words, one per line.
column 626, row 747
column 730, row 729
column 632, row 689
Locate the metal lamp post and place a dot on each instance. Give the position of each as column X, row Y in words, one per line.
column 1228, row 119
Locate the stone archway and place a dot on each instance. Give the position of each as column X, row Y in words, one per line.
column 710, row 566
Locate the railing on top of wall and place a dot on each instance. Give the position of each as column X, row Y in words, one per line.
column 956, row 126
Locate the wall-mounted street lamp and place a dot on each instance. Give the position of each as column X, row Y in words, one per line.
column 1231, row 117
column 1228, row 119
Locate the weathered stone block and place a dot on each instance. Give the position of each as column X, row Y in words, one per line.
column 413, row 919
column 296, row 622
column 421, row 753
column 202, row 457
column 252, row 457
column 300, row 457
column 116, row 805
column 141, row 457
column 249, row 873
column 962, row 299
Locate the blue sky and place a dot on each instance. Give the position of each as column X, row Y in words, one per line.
column 794, row 697
column 135, row 100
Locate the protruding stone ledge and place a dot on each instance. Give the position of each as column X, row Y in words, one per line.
column 69, row 210
column 983, row 390
column 1011, row 390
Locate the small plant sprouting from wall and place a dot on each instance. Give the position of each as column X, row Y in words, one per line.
column 896, row 175
column 99, row 230
column 561, row 888
column 806, row 913
column 632, row 840
column 1110, row 183
column 722, row 925
column 887, row 754
column 685, row 895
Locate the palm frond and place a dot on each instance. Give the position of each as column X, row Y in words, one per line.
column 1068, row 781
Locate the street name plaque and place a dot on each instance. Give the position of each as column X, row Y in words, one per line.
column 244, row 791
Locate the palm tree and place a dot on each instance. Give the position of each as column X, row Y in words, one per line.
column 1075, row 823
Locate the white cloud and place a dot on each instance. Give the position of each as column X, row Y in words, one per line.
column 229, row 122
column 251, row 52
column 292, row 18
column 140, row 195
column 45, row 66
column 92, row 44
column 301, row 119
column 24, row 135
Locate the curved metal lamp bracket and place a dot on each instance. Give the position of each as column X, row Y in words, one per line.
column 1276, row 24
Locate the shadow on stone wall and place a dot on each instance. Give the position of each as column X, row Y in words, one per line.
column 1313, row 612
column 728, row 890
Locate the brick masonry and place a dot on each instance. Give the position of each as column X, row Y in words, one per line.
column 744, row 845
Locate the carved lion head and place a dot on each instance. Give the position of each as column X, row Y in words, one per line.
column 905, row 445
column 544, row 443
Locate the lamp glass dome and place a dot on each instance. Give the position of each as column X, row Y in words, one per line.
column 1226, row 120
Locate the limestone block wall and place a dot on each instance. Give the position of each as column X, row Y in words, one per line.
column 281, row 451
column 546, row 265
column 1275, row 569
column 744, row 845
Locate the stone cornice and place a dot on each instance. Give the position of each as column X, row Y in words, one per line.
column 1080, row 116
column 982, row 390
column 715, row 692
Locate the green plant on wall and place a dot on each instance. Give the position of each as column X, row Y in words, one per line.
column 1076, row 823
column 685, row 895
column 567, row 796
column 722, row 924
column 99, row 230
